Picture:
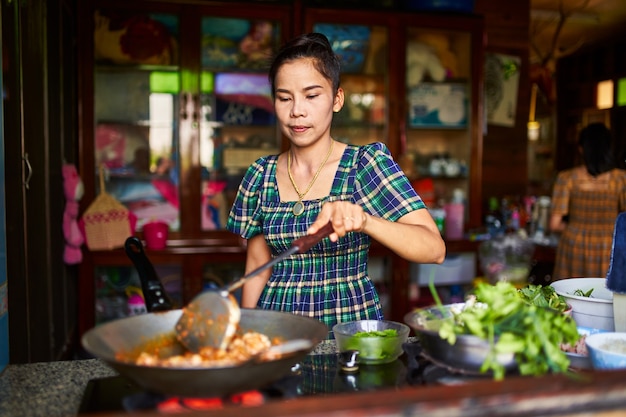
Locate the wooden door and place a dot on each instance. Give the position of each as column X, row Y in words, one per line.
column 37, row 113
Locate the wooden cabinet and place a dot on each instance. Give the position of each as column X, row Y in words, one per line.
column 176, row 105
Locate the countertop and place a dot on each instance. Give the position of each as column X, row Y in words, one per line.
column 56, row 388
column 48, row 388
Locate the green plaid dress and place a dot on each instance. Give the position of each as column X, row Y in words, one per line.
column 330, row 281
column 584, row 248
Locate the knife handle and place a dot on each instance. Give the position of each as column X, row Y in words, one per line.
column 305, row 243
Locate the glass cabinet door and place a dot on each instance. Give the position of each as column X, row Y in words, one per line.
column 136, row 87
column 438, row 111
column 237, row 124
column 182, row 117
column 362, row 50
column 118, row 294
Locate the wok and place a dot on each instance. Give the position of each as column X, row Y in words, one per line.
column 129, row 336
column 466, row 355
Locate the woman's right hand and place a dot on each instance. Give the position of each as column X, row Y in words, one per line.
column 343, row 215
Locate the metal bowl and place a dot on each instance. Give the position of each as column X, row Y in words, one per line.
column 466, row 355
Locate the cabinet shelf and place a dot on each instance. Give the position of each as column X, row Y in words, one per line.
column 111, row 67
column 444, row 177
column 358, row 125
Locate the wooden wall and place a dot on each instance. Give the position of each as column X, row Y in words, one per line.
column 505, row 164
column 578, row 75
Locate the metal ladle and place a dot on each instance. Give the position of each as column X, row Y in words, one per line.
column 212, row 317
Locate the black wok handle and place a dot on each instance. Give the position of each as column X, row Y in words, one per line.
column 154, row 294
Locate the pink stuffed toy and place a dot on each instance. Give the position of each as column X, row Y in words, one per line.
column 73, row 189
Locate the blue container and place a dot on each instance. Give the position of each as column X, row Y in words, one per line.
column 606, row 350
column 463, row 6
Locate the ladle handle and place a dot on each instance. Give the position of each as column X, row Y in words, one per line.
column 305, row 243
column 299, row 245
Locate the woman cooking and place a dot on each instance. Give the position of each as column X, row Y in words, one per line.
column 361, row 191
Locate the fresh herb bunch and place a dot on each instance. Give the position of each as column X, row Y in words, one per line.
column 543, row 297
column 533, row 334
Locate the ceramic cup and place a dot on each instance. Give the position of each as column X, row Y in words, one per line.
column 155, row 233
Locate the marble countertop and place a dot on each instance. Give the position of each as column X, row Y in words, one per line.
column 48, row 388
column 56, row 388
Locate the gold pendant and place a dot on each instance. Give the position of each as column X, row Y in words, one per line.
column 298, row 208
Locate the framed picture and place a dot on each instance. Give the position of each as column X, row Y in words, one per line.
column 501, row 87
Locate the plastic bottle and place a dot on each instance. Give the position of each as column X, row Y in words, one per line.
column 515, row 219
column 439, row 216
column 455, row 216
column 493, row 218
column 456, row 294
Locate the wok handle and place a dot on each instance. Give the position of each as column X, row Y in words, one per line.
column 154, row 294
column 305, row 243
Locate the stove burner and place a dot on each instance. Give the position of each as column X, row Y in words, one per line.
column 316, row 374
column 424, row 370
column 143, row 401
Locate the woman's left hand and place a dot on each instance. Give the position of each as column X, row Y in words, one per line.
column 344, row 216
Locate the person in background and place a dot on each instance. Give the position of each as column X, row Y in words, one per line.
column 359, row 189
column 585, row 203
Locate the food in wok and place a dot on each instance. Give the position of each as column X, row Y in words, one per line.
column 242, row 348
column 120, row 342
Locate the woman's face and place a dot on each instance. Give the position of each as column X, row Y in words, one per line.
column 304, row 102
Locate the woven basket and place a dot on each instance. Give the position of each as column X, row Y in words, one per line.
column 106, row 221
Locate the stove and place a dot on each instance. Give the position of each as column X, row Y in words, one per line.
column 315, row 375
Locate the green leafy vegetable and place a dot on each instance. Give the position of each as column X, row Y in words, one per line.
column 376, row 345
column 511, row 325
column 543, row 297
column 378, row 333
column 582, row 293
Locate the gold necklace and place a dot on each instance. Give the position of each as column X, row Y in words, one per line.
column 298, row 208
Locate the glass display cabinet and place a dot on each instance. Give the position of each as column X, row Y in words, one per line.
column 175, row 105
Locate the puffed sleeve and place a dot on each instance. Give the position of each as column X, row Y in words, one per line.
column 244, row 218
column 381, row 187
